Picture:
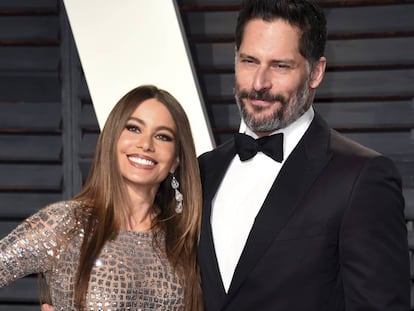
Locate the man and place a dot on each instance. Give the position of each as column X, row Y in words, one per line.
column 322, row 226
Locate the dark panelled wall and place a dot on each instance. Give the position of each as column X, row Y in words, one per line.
column 48, row 127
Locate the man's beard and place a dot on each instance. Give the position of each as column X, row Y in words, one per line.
column 287, row 113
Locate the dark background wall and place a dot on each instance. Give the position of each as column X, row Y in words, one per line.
column 48, row 128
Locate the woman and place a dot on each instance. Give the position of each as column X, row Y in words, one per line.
column 128, row 240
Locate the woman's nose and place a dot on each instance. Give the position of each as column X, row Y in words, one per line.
column 146, row 143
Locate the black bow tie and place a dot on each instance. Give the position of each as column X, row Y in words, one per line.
column 247, row 146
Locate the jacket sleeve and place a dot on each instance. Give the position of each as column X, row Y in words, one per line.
column 373, row 246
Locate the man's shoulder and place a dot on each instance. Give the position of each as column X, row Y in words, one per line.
column 340, row 144
column 221, row 150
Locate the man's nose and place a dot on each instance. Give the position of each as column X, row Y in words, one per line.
column 262, row 79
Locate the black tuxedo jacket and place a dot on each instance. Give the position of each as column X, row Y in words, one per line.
column 330, row 235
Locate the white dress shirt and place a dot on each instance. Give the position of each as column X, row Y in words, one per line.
column 241, row 195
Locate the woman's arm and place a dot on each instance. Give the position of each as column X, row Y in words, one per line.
column 32, row 245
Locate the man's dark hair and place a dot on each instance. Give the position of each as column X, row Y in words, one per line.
column 305, row 15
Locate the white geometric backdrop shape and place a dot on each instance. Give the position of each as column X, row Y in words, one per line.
column 126, row 43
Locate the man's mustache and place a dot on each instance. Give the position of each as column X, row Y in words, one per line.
column 262, row 95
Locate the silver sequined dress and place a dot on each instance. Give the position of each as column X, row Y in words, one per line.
column 129, row 274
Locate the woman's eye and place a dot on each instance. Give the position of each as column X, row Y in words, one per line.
column 164, row 137
column 132, row 128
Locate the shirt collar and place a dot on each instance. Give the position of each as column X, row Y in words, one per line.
column 293, row 132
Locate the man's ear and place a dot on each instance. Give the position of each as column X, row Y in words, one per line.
column 317, row 73
column 236, row 55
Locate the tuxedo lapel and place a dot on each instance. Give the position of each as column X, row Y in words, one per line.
column 296, row 176
column 213, row 167
column 214, row 170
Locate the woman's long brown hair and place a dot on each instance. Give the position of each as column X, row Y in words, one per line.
column 105, row 198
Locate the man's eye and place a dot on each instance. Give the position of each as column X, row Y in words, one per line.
column 246, row 60
column 282, row 66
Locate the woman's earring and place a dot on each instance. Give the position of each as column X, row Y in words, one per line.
column 178, row 195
